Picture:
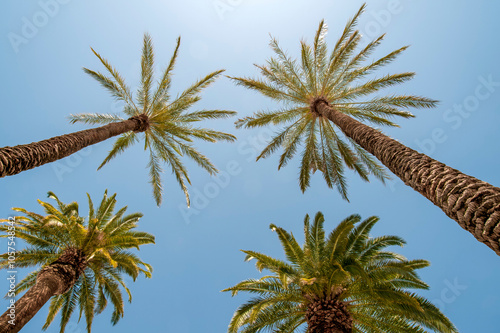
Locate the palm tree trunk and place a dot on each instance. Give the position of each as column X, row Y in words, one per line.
column 328, row 315
column 474, row 204
column 52, row 280
column 14, row 160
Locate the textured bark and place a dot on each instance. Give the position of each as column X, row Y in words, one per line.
column 328, row 315
column 474, row 204
column 55, row 279
column 14, row 160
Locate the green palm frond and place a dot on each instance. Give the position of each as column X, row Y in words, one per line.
column 348, row 266
column 122, row 90
column 122, row 143
column 197, row 87
column 168, row 120
column 205, row 114
column 70, row 302
column 94, row 118
column 161, row 95
column 56, row 303
column 147, row 70
column 338, row 77
column 105, row 237
column 117, row 91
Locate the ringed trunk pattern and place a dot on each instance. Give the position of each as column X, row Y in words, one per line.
column 328, row 315
column 54, row 279
column 474, row 204
column 14, row 160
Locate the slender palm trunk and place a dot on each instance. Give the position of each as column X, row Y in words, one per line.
column 14, row 160
column 474, row 204
column 54, row 279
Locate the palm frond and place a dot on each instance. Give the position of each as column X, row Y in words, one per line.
column 94, row 118
column 198, row 86
column 337, row 77
column 155, row 179
column 103, row 238
column 347, row 267
column 161, row 94
column 123, row 142
column 265, row 89
column 147, row 69
column 205, row 114
column 119, row 82
column 166, row 121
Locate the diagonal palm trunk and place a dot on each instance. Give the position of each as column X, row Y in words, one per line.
column 54, row 279
column 474, row 204
column 14, row 160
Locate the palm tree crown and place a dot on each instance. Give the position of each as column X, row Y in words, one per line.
column 100, row 246
column 348, row 278
column 338, row 78
column 166, row 122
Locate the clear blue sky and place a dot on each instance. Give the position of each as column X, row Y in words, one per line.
column 454, row 49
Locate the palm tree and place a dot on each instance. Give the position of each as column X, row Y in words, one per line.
column 346, row 282
column 166, row 123
column 82, row 261
column 327, row 93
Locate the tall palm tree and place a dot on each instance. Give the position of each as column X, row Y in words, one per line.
column 346, row 282
column 327, row 93
column 166, row 123
column 81, row 261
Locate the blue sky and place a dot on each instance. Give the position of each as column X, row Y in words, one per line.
column 454, row 51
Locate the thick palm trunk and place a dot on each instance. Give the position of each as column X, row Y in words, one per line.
column 53, row 280
column 328, row 315
column 16, row 159
column 474, row 204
